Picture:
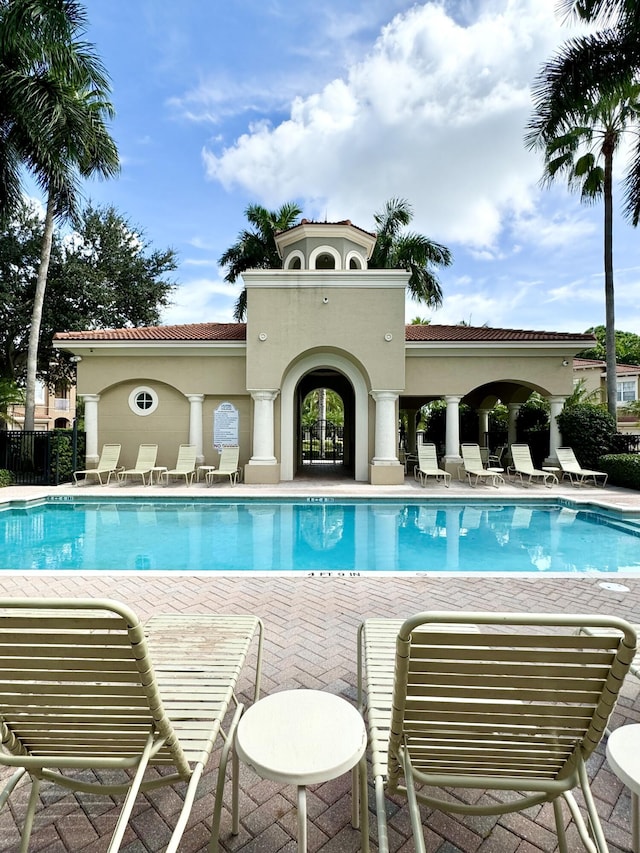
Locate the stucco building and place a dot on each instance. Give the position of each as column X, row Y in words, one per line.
column 322, row 321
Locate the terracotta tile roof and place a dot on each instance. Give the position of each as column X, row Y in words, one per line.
column 315, row 222
column 582, row 363
column 189, row 332
column 238, row 332
column 485, row 334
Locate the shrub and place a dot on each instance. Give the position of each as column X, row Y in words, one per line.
column 6, row 478
column 589, row 430
column 532, row 427
column 62, row 453
column 623, row 469
column 435, row 418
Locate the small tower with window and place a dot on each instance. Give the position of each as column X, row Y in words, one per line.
column 325, row 246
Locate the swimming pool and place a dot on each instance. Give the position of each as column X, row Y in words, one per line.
column 316, row 536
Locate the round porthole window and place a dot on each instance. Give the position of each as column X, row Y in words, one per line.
column 143, row 401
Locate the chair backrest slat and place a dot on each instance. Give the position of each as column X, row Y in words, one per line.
column 109, row 457
column 471, row 457
column 186, row 458
column 147, row 455
column 72, row 670
column 521, row 457
column 229, row 456
column 503, row 693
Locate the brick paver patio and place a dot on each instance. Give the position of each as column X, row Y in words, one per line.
column 311, row 625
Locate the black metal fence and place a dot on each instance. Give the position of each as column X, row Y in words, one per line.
column 37, row 458
column 323, row 441
column 624, row 442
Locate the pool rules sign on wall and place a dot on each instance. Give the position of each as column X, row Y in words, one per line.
column 225, row 425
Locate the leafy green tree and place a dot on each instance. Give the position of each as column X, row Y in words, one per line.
column 255, row 247
column 10, row 395
column 627, row 346
column 420, row 321
column 54, row 93
column 580, row 146
column 20, row 242
column 408, row 250
column 102, row 275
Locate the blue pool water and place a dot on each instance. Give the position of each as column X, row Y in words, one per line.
column 315, row 536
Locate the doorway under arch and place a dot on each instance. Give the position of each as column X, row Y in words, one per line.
column 324, row 437
column 325, row 370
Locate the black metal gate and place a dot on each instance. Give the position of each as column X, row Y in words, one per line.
column 38, row 458
column 322, row 441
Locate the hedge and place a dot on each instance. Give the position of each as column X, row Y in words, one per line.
column 623, row 469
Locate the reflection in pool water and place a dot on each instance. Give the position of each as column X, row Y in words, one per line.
column 316, row 537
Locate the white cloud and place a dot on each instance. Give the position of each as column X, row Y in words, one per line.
column 557, row 230
column 202, row 300
column 435, row 113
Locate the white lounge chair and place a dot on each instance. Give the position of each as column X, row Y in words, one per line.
column 577, row 474
column 147, row 454
column 428, row 465
column 474, row 469
column 107, row 465
column 228, row 466
column 523, row 467
column 516, row 707
column 185, row 465
column 85, row 686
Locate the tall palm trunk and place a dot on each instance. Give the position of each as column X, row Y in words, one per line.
column 610, row 321
column 322, row 417
column 36, row 317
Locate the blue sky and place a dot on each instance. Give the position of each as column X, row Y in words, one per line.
column 341, row 105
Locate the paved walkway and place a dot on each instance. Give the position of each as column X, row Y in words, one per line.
column 311, row 626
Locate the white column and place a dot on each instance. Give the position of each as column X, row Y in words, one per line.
column 513, row 408
column 263, row 428
column 386, row 441
column 556, row 404
column 452, row 428
column 483, row 425
column 195, row 424
column 91, row 427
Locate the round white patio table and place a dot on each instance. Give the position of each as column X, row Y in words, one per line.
column 623, row 755
column 159, row 471
column 301, row 737
column 203, row 469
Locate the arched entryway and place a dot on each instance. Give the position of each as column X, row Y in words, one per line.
column 325, row 438
column 325, row 370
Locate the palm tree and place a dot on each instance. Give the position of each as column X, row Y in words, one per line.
column 54, row 96
column 256, row 248
column 588, row 67
column 581, row 148
column 10, row 395
column 414, row 252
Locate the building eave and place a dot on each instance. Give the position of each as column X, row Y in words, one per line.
column 344, row 279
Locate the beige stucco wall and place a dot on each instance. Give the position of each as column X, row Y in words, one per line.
column 460, row 370
column 220, row 379
column 342, row 318
column 196, row 372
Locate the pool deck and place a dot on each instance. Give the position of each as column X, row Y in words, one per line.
column 311, row 625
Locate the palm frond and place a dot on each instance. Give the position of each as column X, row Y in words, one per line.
column 632, row 187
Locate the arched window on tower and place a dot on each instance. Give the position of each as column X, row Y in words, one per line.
column 325, row 261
